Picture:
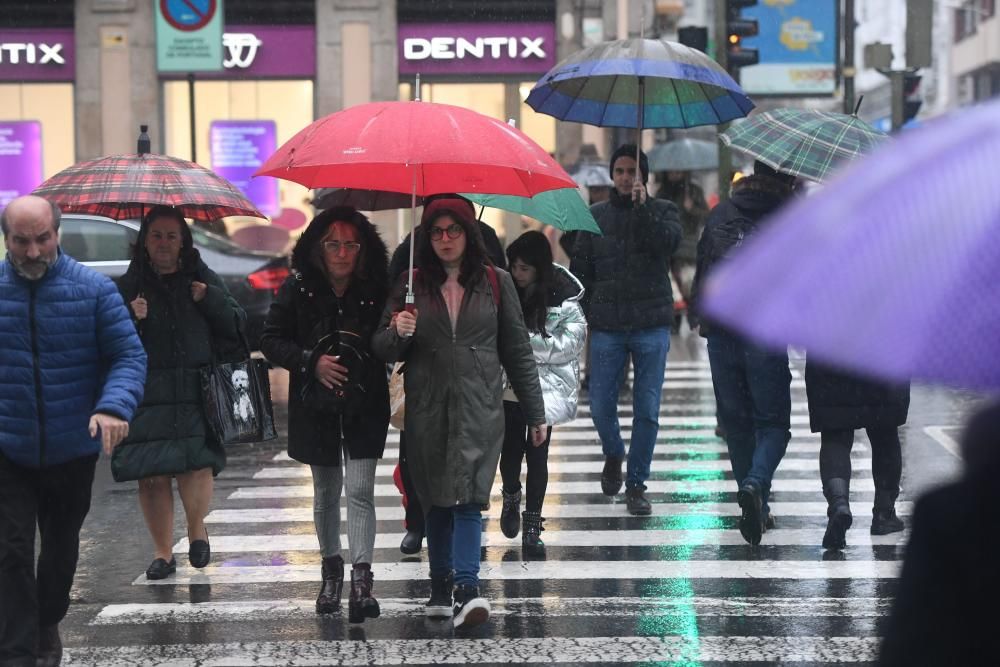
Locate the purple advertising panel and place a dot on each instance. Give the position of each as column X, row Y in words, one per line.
column 20, row 159
column 239, row 148
column 476, row 48
column 265, row 52
column 37, row 54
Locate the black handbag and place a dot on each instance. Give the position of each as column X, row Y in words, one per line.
column 237, row 399
column 349, row 398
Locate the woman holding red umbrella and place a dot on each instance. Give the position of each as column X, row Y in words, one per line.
column 465, row 326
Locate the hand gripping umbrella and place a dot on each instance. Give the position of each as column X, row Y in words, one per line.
column 420, row 148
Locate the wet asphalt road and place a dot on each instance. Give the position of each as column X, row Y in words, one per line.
column 679, row 588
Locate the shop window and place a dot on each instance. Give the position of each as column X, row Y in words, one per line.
column 288, row 103
column 51, row 105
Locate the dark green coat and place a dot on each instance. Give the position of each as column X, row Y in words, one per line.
column 454, row 389
column 169, row 434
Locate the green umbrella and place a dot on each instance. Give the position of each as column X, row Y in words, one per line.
column 563, row 209
column 802, row 142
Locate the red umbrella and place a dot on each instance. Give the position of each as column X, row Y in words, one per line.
column 385, row 145
column 125, row 186
column 419, row 148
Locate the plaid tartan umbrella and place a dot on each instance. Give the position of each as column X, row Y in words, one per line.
column 802, row 142
column 125, row 186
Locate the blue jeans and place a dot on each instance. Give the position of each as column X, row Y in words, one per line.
column 608, row 351
column 753, row 395
column 454, row 538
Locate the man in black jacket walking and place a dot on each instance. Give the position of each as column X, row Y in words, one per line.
column 752, row 384
column 629, row 306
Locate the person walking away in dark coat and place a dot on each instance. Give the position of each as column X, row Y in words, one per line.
column 55, row 314
column 840, row 403
column 752, row 384
column 949, row 584
column 339, row 284
column 185, row 317
column 466, row 326
column 629, row 306
column 400, row 262
column 550, row 297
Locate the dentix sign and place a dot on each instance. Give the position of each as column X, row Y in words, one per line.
column 476, row 48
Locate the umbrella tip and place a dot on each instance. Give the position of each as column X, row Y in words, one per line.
column 143, row 145
column 416, row 88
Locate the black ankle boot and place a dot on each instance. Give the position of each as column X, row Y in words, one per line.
column 884, row 519
column 839, row 519
column 361, row 604
column 439, row 606
column 510, row 515
column 531, row 540
column 333, row 583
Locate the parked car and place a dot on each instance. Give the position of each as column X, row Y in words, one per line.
column 252, row 277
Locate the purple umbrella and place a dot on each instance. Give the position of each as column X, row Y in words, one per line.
column 893, row 268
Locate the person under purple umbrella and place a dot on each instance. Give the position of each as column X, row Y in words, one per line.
column 752, row 383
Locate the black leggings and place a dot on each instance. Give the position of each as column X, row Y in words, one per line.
column 887, row 456
column 517, row 445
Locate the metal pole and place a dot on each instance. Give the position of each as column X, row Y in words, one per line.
column 194, row 134
column 896, row 81
column 848, row 71
column 725, row 171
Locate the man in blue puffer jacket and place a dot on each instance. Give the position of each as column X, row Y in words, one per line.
column 71, row 377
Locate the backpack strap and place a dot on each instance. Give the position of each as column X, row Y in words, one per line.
column 491, row 275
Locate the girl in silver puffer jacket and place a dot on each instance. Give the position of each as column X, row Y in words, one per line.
column 550, row 299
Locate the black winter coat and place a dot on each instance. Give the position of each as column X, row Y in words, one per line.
column 626, row 271
column 754, row 197
column 169, row 433
column 305, row 309
column 838, row 400
column 401, row 255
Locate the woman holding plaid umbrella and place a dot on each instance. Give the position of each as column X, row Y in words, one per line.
column 185, row 317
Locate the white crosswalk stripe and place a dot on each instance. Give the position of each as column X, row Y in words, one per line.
column 681, row 575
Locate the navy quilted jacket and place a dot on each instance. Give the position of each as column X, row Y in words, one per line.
column 68, row 349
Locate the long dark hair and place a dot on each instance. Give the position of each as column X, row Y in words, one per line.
column 533, row 249
column 460, row 210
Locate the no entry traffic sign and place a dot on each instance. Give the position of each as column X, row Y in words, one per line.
column 189, row 35
column 188, row 15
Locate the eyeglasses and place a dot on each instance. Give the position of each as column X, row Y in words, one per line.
column 453, row 230
column 333, row 247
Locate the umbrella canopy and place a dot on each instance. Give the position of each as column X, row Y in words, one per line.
column 602, row 85
column 804, row 142
column 593, row 176
column 684, row 154
column 891, row 269
column 416, row 147
column 563, row 208
column 125, row 186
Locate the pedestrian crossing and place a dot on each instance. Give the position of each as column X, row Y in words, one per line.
column 680, row 586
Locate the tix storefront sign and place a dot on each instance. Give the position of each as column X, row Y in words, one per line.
column 37, row 55
column 476, row 48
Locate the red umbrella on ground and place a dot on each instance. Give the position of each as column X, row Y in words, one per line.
column 126, row 186
column 419, row 148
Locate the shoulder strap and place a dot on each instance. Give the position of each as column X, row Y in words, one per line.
column 491, row 275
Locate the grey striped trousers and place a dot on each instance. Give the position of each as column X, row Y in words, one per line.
column 360, row 486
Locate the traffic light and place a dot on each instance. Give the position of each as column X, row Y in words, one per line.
column 694, row 36
column 912, row 100
column 737, row 28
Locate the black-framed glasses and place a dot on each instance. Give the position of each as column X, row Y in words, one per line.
column 333, row 247
column 454, row 230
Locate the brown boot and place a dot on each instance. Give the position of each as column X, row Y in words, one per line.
column 333, row 584
column 361, row 604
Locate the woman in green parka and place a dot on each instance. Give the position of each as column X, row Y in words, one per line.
column 183, row 313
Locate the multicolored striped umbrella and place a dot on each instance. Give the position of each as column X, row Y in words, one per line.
column 640, row 83
column 125, row 186
column 803, row 142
